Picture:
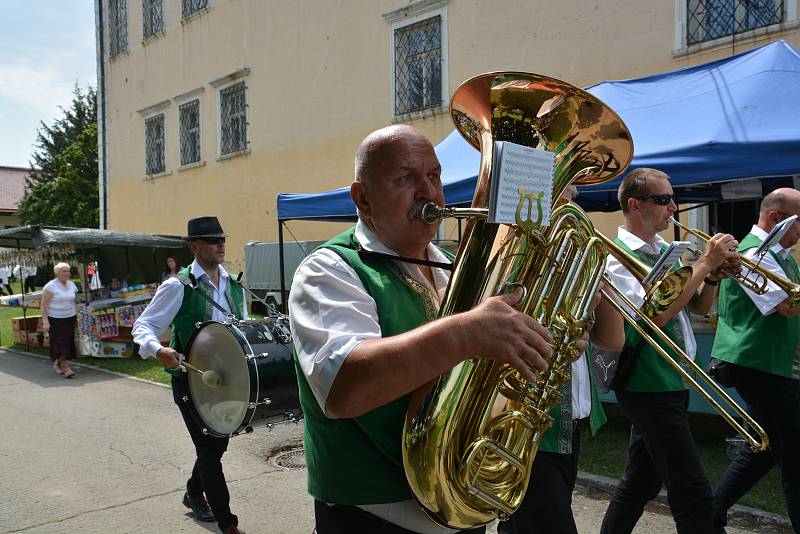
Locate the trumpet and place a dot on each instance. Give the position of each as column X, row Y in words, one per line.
column 761, row 276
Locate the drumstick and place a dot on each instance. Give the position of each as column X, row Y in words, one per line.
column 211, row 378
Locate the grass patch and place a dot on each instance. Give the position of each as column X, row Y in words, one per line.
column 605, row 454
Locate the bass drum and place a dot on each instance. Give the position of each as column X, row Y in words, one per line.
column 259, row 385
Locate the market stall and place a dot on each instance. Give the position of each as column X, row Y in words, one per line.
column 118, row 272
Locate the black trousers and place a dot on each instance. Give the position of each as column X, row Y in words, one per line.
column 661, row 451
column 547, row 506
column 774, row 402
column 207, row 476
column 341, row 519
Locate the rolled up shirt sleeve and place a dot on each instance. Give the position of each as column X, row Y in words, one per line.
column 157, row 317
column 330, row 313
column 768, row 301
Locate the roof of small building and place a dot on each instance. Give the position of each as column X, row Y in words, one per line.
column 12, row 187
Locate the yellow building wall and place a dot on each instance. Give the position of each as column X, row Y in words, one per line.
column 320, row 79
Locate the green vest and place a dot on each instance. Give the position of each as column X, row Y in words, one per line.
column 196, row 309
column 558, row 438
column 359, row 460
column 652, row 373
column 748, row 338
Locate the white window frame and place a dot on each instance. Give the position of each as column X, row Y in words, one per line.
column 146, row 114
column 680, row 48
column 220, row 84
column 185, row 98
column 407, row 16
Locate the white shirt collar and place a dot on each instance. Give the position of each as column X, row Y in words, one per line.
column 634, row 242
column 371, row 242
column 198, row 271
column 777, row 248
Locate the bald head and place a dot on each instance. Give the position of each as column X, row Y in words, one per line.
column 784, row 200
column 379, row 149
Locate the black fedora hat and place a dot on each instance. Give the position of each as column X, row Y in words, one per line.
column 200, row 227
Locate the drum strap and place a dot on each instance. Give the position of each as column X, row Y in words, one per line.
column 191, row 282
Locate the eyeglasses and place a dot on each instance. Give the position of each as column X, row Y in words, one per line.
column 212, row 240
column 661, row 200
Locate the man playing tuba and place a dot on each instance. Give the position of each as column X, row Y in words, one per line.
column 366, row 336
column 655, row 398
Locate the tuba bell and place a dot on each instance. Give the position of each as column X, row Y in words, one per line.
column 470, row 438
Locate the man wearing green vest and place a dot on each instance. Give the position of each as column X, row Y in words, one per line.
column 547, row 506
column 757, row 341
column 181, row 306
column 363, row 311
column 655, row 398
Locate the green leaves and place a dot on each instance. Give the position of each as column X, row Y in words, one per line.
column 63, row 188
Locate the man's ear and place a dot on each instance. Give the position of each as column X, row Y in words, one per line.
column 359, row 195
column 633, row 204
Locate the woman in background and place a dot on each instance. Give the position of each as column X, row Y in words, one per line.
column 171, row 267
column 58, row 318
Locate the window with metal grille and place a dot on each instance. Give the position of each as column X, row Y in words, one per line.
column 233, row 118
column 117, row 27
column 711, row 19
column 189, row 118
column 152, row 17
column 191, row 7
column 154, row 144
column 418, row 66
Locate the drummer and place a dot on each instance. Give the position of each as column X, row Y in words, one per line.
column 200, row 292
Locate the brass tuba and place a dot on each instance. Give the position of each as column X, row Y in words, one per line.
column 469, row 441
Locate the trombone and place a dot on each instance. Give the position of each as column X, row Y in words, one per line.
column 658, row 297
column 757, row 444
column 758, row 283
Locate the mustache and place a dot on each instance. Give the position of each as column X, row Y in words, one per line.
column 416, row 210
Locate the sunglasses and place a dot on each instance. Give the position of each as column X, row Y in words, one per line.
column 211, row 240
column 661, row 200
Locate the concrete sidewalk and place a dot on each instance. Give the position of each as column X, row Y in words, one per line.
column 105, row 453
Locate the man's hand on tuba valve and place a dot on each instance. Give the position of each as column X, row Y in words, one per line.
column 496, row 330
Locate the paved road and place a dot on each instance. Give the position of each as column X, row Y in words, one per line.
column 103, row 453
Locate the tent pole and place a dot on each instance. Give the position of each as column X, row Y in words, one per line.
column 22, row 300
column 675, row 227
column 284, row 304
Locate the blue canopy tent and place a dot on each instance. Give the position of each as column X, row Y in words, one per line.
column 736, row 118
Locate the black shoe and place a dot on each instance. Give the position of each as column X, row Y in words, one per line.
column 199, row 507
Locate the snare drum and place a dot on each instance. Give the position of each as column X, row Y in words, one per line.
column 259, row 385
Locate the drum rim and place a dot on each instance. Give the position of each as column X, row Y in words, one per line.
column 247, row 350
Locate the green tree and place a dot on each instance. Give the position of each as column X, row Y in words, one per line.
column 62, row 189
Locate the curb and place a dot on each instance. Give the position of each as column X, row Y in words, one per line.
column 753, row 515
column 87, row 366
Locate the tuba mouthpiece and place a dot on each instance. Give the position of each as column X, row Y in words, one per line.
column 431, row 212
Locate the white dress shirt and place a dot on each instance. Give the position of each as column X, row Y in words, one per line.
column 330, row 313
column 166, row 303
column 631, row 288
column 767, row 302
column 581, row 389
